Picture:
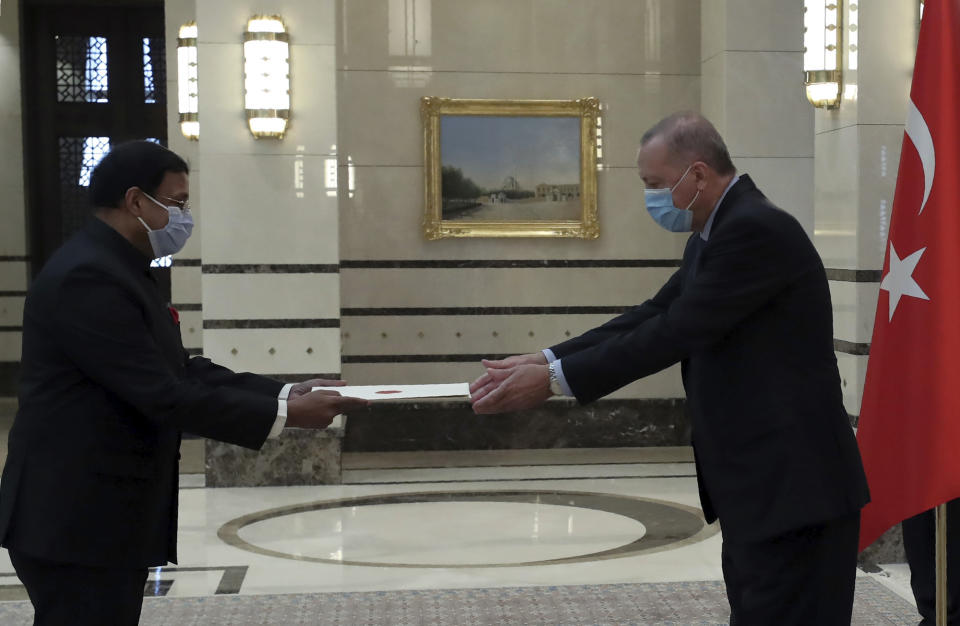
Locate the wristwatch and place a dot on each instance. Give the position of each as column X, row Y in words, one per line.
column 555, row 387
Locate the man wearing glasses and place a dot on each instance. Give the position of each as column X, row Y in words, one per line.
column 88, row 499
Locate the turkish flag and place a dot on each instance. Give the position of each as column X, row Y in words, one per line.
column 909, row 429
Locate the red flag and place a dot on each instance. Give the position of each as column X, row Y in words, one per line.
column 909, row 430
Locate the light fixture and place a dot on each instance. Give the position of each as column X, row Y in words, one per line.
column 188, row 84
column 266, row 66
column 822, row 52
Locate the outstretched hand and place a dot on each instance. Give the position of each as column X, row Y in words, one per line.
column 511, row 389
column 486, row 383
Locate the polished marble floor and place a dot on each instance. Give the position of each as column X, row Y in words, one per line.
column 455, row 522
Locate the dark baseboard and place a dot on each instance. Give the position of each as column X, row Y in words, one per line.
column 445, row 425
column 9, row 378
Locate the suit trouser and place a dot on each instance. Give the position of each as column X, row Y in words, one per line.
column 919, row 543
column 802, row 577
column 65, row 593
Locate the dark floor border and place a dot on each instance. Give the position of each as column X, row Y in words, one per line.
column 483, row 310
column 13, row 259
column 417, row 358
column 187, row 306
column 230, row 582
column 506, row 263
column 186, row 262
column 849, row 347
column 269, row 268
column 12, row 294
column 452, row 425
column 853, row 276
column 9, row 378
column 270, row 323
column 299, row 378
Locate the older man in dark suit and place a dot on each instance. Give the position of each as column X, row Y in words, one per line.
column 88, row 498
column 748, row 316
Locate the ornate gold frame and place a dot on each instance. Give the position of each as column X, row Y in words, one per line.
column 587, row 109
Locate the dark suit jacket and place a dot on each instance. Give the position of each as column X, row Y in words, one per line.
column 748, row 315
column 106, row 389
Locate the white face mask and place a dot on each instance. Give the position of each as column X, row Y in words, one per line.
column 172, row 237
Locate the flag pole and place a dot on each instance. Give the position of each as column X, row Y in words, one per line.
column 941, row 564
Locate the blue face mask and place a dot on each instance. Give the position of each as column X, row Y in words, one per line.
column 171, row 238
column 660, row 206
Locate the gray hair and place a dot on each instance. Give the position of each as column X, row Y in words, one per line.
column 691, row 137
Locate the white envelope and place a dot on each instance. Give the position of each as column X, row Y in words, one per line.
column 395, row 392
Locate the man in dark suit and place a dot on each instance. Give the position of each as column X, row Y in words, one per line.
column 88, row 499
column 749, row 318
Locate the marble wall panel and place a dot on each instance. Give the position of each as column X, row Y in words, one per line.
column 713, row 104
column 309, row 23
column 461, row 334
column 880, row 146
column 191, row 329
column 767, row 113
column 185, row 284
column 836, row 197
column 10, row 345
column 380, row 120
column 253, row 213
column 282, row 296
column 290, row 347
column 887, row 47
column 10, row 24
column 787, row 182
column 854, row 309
column 13, row 275
column 853, row 372
column 500, row 287
column 774, row 25
column 11, row 310
column 526, row 36
column 13, row 235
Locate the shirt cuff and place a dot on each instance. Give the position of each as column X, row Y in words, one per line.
column 561, row 378
column 551, row 357
column 281, row 420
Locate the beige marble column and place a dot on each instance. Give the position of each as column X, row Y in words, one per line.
column 186, row 292
column 13, row 234
column 752, row 90
column 857, row 153
column 270, row 281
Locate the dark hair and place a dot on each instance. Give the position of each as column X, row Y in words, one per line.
column 691, row 137
column 140, row 164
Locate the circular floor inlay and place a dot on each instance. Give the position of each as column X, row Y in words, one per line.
column 467, row 529
column 454, row 532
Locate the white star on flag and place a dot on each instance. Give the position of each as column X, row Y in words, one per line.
column 899, row 280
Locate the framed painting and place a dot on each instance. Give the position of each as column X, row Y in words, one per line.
column 510, row 168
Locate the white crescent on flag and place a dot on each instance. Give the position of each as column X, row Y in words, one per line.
column 919, row 134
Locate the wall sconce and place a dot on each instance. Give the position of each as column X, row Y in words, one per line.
column 822, row 52
column 266, row 66
column 188, row 84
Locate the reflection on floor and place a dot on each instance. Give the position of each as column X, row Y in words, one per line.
column 536, row 519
